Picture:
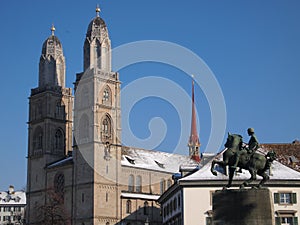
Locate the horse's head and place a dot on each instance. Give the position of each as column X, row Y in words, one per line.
column 234, row 141
column 271, row 156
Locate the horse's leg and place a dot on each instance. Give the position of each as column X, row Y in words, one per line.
column 212, row 168
column 265, row 177
column 231, row 173
column 214, row 162
column 252, row 178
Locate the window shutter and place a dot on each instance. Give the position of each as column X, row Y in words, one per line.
column 295, row 220
column 294, row 198
column 276, row 198
column 277, row 220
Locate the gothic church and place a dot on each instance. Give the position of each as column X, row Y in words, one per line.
column 79, row 172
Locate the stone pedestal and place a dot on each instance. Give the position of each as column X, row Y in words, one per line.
column 243, row 207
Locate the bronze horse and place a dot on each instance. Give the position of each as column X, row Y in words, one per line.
column 255, row 163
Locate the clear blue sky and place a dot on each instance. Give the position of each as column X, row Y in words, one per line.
column 252, row 47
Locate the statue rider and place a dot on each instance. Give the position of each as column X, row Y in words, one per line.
column 253, row 145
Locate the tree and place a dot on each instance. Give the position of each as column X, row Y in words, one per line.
column 53, row 212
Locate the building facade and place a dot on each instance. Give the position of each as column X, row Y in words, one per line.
column 78, row 171
column 12, row 206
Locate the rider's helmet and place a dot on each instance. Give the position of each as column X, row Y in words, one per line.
column 250, row 130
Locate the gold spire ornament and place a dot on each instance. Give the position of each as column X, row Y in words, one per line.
column 52, row 29
column 98, row 10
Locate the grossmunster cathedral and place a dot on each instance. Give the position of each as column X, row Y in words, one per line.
column 79, row 172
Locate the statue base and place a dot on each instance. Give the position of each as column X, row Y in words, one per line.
column 243, row 207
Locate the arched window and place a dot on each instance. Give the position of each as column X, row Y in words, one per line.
column 128, row 206
column 59, row 140
column 83, row 129
column 162, row 186
column 146, row 208
column 107, row 223
column 138, row 184
column 59, row 187
column 131, row 183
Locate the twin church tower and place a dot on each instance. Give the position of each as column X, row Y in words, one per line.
column 78, row 171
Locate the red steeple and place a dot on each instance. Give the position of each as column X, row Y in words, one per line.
column 194, row 142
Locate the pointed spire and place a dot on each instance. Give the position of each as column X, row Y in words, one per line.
column 52, row 29
column 98, row 10
column 194, row 142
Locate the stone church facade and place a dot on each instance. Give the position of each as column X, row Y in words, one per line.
column 78, row 170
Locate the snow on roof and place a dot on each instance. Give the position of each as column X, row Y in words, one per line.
column 279, row 172
column 154, row 160
column 14, row 198
column 61, row 162
column 140, row 196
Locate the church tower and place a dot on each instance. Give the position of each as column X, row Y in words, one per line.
column 50, row 121
column 97, row 129
column 194, row 143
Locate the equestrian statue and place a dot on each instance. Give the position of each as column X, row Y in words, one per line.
column 244, row 157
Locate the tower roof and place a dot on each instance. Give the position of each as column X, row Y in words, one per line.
column 52, row 45
column 96, row 26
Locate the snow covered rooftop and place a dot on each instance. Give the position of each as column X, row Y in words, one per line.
column 154, row 160
column 140, row 196
column 278, row 172
column 61, row 162
column 12, row 197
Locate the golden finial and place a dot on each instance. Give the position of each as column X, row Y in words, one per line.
column 98, row 10
column 52, row 29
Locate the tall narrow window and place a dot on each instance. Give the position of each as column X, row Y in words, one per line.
column 138, row 184
column 128, row 206
column 59, row 187
column 58, row 109
column 162, row 186
column 59, row 140
column 83, row 128
column 98, row 54
column 38, row 140
column 146, row 208
column 131, row 183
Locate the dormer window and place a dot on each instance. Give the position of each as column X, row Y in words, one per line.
column 161, row 165
column 130, row 160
